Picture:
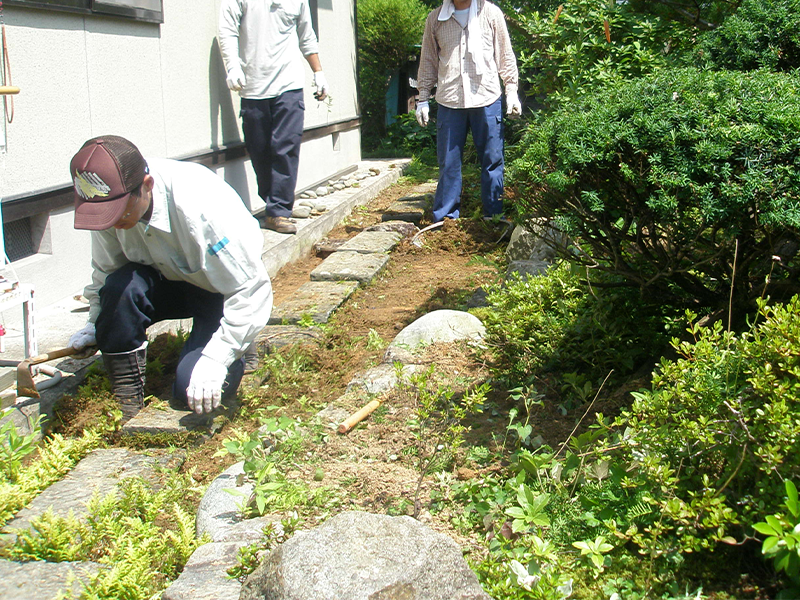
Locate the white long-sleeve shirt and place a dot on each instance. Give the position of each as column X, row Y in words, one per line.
column 269, row 40
column 200, row 232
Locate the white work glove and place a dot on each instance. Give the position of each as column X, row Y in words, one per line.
column 236, row 79
column 205, row 385
column 513, row 105
column 83, row 338
column 322, row 86
column 423, row 110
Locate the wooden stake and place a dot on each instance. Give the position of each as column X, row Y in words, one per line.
column 358, row 416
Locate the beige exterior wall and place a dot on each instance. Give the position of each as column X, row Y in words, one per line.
column 161, row 86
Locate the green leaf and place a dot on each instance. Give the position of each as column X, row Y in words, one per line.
column 791, row 499
column 766, row 529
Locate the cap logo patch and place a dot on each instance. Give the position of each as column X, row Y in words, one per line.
column 89, row 185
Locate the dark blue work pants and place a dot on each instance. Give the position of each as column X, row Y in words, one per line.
column 452, row 125
column 136, row 296
column 273, row 130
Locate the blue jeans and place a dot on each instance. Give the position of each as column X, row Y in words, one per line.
column 136, row 296
column 273, row 131
column 452, row 125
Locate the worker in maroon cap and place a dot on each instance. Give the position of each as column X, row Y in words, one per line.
column 170, row 240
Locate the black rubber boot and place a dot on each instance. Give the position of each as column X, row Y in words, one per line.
column 250, row 359
column 126, row 372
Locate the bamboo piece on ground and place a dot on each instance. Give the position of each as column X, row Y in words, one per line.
column 358, row 416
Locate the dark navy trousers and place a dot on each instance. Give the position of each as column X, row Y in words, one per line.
column 136, row 296
column 452, row 125
column 273, row 130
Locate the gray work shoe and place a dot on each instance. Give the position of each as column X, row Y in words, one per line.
column 280, row 224
column 126, row 370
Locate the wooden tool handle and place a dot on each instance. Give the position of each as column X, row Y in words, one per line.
column 358, row 416
column 52, row 355
column 5, row 90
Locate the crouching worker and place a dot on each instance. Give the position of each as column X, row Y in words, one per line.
column 170, row 240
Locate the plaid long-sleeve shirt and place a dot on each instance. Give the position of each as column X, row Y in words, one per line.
column 446, row 64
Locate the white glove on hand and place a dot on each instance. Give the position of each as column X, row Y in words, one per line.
column 236, row 79
column 205, row 385
column 83, row 338
column 322, row 86
column 423, row 110
column 513, row 105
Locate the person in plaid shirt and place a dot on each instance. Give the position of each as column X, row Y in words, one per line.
column 466, row 51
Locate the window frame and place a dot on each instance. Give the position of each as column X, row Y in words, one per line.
column 95, row 7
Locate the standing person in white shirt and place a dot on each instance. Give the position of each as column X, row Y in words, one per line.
column 466, row 51
column 170, row 240
column 263, row 44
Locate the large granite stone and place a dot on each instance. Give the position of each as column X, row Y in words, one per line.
column 350, row 266
column 436, row 326
column 525, row 268
column 363, row 556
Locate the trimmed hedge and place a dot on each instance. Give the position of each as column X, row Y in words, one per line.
column 669, row 181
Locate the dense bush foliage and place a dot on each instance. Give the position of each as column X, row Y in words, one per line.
column 388, row 30
column 587, row 44
column 672, row 181
column 761, row 34
column 691, row 469
column 543, row 324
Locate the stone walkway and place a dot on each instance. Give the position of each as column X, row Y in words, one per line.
column 350, row 265
column 354, row 263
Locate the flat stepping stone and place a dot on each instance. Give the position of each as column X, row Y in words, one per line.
column 380, row 379
column 317, row 299
column 404, row 228
column 410, row 208
column 163, row 418
column 39, row 580
column 98, row 473
column 369, row 242
column 219, row 514
column 273, row 337
column 350, row 266
column 204, row 577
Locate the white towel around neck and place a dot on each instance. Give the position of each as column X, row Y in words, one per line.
column 473, row 29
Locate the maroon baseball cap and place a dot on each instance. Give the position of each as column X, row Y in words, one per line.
column 104, row 173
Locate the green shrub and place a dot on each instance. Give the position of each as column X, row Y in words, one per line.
column 553, row 322
column 388, row 31
column 761, row 34
column 565, row 57
column 717, row 435
column 658, row 179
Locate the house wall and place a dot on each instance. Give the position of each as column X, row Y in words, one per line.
column 161, row 86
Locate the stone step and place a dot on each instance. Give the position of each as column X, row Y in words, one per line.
column 170, row 418
column 99, row 472
column 350, row 266
column 43, row 580
column 317, row 299
column 371, row 242
column 410, row 208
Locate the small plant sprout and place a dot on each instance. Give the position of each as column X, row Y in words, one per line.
column 595, row 551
